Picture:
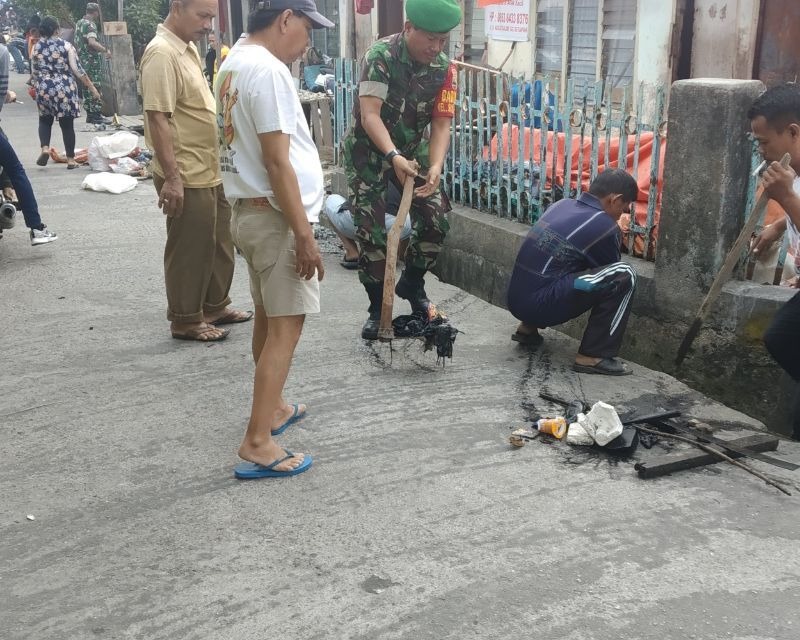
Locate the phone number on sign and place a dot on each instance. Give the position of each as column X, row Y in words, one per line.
column 512, row 18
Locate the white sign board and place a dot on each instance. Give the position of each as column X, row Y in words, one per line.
column 508, row 20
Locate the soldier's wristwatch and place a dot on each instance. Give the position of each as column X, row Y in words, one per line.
column 389, row 156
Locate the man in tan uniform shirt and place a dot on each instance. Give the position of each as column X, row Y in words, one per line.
column 181, row 128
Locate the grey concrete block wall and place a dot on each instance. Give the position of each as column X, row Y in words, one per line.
column 706, row 172
column 123, row 76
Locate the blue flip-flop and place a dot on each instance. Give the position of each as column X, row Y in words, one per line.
column 253, row 470
column 296, row 415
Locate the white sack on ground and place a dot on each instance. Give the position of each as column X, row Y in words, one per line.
column 105, row 148
column 111, row 182
column 603, row 423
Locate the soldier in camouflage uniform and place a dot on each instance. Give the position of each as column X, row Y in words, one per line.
column 407, row 83
column 91, row 53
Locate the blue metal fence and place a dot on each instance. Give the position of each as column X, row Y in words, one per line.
column 517, row 147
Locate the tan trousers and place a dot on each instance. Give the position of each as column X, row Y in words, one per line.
column 198, row 256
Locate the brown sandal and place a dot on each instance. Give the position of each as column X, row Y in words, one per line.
column 233, row 317
column 197, row 333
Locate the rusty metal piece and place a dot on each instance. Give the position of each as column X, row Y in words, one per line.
column 600, row 121
column 631, row 122
column 576, row 117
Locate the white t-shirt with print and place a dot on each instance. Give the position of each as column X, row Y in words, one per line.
column 256, row 94
column 793, row 233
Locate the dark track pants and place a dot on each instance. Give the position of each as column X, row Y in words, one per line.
column 604, row 291
column 12, row 169
column 782, row 340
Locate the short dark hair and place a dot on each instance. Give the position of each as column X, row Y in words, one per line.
column 779, row 106
column 615, row 181
column 49, row 26
column 260, row 19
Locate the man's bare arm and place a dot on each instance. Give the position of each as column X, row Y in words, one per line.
column 171, row 197
column 95, row 45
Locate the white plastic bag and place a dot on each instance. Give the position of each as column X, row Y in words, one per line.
column 105, row 148
column 126, row 165
column 577, row 433
column 111, row 182
column 603, row 423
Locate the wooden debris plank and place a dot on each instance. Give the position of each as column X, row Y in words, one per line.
column 690, row 459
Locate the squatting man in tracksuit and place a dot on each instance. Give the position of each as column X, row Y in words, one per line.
column 407, row 83
column 569, row 264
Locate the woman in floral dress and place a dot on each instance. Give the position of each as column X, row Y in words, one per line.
column 55, row 67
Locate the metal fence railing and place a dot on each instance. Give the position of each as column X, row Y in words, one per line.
column 516, row 147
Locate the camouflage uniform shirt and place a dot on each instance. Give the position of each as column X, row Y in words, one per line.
column 91, row 60
column 412, row 94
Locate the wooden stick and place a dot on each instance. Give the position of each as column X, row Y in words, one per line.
column 716, row 453
column 386, row 331
column 727, row 269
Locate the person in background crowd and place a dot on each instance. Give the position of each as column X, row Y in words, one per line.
column 13, row 172
column 181, row 128
column 92, row 55
column 55, row 66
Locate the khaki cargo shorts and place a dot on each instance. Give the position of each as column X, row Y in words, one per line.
column 267, row 244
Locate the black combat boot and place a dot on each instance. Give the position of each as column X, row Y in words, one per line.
column 375, row 293
column 411, row 287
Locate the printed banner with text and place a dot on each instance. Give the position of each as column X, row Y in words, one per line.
column 507, row 20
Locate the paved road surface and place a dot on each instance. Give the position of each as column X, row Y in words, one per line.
column 417, row 520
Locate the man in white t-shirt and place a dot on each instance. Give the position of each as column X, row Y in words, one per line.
column 272, row 174
column 775, row 124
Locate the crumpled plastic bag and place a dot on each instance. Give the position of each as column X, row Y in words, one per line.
column 126, row 165
column 577, row 434
column 603, row 423
column 105, row 148
column 111, row 182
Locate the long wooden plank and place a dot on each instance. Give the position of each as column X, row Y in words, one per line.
column 386, row 331
column 681, row 460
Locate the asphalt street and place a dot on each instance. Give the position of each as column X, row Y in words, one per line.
column 120, row 517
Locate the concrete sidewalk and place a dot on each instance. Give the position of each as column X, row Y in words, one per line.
column 417, row 521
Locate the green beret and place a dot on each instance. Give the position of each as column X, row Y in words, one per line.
column 436, row 16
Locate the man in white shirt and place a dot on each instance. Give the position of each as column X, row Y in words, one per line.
column 272, row 174
column 775, row 124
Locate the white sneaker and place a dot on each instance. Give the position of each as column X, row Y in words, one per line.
column 42, row 237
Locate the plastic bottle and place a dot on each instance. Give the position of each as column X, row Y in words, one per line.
column 556, row 427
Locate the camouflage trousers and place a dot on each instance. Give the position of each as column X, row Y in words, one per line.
column 94, row 70
column 428, row 223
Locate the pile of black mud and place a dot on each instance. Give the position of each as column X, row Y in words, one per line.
column 434, row 328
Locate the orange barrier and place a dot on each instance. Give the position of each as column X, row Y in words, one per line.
column 580, row 167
